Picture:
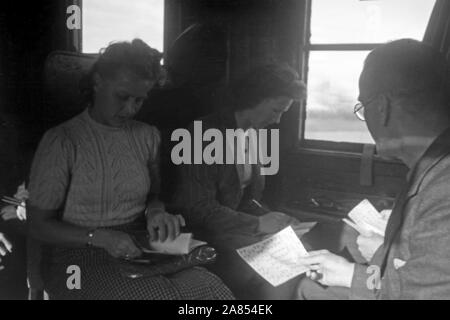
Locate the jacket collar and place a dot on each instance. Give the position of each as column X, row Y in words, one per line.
column 435, row 153
column 227, row 120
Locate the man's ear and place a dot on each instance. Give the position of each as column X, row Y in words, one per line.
column 384, row 109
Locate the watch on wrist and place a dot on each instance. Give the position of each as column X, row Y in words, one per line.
column 90, row 237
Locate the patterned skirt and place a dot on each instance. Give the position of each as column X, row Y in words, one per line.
column 100, row 278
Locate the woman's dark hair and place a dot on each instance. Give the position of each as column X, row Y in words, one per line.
column 264, row 82
column 135, row 56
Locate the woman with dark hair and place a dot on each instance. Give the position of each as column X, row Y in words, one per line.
column 94, row 180
column 221, row 201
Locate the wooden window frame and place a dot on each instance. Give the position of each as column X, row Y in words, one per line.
column 307, row 47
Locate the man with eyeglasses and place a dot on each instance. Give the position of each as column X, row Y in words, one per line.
column 404, row 99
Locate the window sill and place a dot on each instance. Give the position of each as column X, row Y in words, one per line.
column 335, row 149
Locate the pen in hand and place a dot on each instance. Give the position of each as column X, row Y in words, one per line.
column 260, row 206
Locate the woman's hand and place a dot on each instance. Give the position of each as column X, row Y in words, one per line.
column 5, row 247
column 9, row 213
column 22, row 193
column 329, row 269
column 162, row 225
column 368, row 244
column 118, row 244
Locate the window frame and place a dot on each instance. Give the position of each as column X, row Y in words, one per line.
column 74, row 38
column 307, row 47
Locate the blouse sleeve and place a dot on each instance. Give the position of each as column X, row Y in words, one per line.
column 50, row 171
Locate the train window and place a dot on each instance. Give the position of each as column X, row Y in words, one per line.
column 342, row 34
column 117, row 20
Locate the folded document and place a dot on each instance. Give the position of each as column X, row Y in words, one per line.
column 183, row 244
column 366, row 219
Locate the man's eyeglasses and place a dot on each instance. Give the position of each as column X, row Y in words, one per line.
column 359, row 108
column 359, row 111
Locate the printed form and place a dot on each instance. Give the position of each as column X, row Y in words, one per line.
column 277, row 259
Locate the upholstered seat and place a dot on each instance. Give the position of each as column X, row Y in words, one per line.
column 63, row 73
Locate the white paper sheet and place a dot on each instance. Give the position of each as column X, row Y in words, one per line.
column 276, row 259
column 367, row 218
column 184, row 244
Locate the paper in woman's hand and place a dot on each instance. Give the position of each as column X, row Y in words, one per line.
column 183, row 244
column 276, row 259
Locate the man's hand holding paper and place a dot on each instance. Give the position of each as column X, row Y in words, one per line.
column 368, row 244
column 333, row 269
column 366, row 219
column 371, row 226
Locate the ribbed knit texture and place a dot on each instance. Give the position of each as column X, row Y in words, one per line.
column 99, row 175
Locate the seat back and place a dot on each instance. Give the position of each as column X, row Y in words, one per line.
column 63, row 72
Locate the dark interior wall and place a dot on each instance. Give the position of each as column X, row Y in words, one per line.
column 29, row 32
column 258, row 31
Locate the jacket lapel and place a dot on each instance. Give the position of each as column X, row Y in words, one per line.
column 228, row 121
column 435, row 153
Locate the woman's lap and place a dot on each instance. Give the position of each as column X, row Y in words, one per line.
column 100, row 278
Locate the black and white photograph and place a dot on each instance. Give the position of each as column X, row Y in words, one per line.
column 225, row 154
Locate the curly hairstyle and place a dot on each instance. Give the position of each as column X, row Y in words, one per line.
column 264, row 82
column 135, row 56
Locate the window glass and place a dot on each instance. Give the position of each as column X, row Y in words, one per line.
column 376, row 21
column 332, row 93
column 118, row 20
column 333, row 75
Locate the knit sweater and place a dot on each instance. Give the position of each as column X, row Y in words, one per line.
column 97, row 175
